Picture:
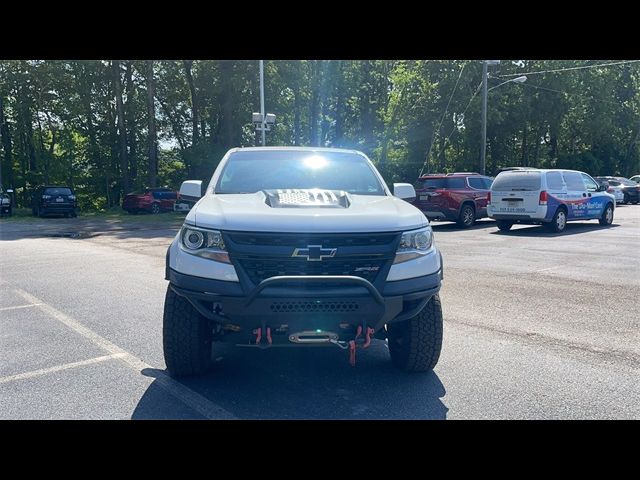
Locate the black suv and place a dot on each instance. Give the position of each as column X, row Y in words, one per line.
column 54, row 200
column 5, row 202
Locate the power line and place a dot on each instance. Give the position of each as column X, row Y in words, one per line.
column 455, row 126
column 569, row 93
column 433, row 137
column 569, row 68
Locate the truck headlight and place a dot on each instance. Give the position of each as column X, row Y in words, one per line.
column 204, row 243
column 414, row 244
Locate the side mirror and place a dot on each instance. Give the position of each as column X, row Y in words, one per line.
column 191, row 190
column 404, row 191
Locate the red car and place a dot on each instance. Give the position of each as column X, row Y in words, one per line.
column 457, row 197
column 153, row 200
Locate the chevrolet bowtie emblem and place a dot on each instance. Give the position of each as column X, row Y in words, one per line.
column 314, row 253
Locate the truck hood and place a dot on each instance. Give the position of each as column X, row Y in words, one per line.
column 249, row 212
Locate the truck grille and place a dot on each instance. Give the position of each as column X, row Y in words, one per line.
column 301, row 240
column 318, row 306
column 258, row 270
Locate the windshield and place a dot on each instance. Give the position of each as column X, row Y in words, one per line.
column 57, row 191
column 516, row 181
column 252, row 171
column 626, row 181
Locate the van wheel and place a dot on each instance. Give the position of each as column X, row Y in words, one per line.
column 504, row 225
column 467, row 216
column 415, row 344
column 607, row 216
column 559, row 221
column 186, row 337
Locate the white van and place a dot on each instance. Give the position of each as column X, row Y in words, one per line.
column 549, row 197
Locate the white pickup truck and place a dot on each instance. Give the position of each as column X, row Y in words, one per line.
column 293, row 246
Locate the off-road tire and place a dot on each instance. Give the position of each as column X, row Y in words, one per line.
column 415, row 344
column 186, row 337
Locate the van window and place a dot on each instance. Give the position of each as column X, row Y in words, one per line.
column 590, row 183
column 516, row 180
column 554, row 181
column 573, row 180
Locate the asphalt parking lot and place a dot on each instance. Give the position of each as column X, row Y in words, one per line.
column 537, row 326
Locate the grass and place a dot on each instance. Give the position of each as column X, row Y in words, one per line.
column 112, row 215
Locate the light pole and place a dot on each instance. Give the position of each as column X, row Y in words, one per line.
column 262, row 101
column 483, row 149
column 260, row 120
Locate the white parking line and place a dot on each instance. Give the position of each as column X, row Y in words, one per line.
column 193, row 399
column 58, row 368
column 4, row 309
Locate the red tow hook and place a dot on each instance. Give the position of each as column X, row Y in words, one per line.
column 269, row 341
column 370, row 331
column 353, row 346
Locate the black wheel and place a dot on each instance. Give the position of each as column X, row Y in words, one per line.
column 635, row 202
column 559, row 221
column 467, row 216
column 626, row 198
column 10, row 211
column 186, row 337
column 415, row 344
column 155, row 208
column 504, row 225
column 607, row 216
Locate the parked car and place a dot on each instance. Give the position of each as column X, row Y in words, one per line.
column 630, row 189
column 616, row 191
column 457, row 197
column 5, row 202
column 57, row 200
column 152, row 200
column 548, row 197
column 635, row 178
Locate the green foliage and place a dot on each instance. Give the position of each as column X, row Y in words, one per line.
column 58, row 121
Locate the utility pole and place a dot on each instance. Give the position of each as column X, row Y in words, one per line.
column 483, row 145
column 262, row 121
column 262, row 101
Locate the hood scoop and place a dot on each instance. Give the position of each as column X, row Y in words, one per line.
column 300, row 198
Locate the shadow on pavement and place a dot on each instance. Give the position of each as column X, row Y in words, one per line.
column 541, row 230
column 78, row 228
column 311, row 383
column 452, row 226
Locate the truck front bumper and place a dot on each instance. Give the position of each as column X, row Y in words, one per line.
column 304, row 303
